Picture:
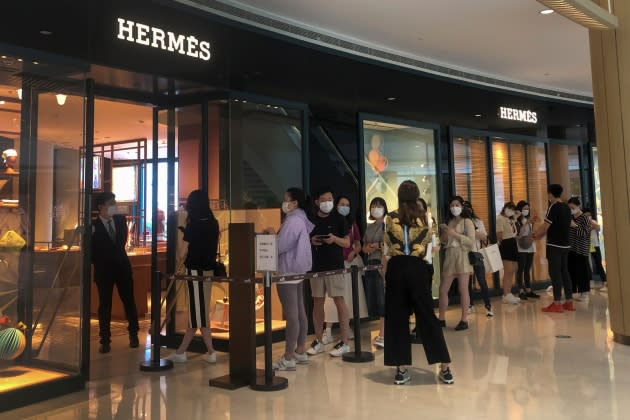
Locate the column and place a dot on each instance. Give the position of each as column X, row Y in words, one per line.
column 610, row 62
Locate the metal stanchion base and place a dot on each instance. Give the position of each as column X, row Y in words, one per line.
column 354, row 357
column 233, row 382
column 278, row 383
column 158, row 366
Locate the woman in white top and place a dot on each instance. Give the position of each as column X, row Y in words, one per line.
column 526, row 250
column 481, row 236
column 506, row 238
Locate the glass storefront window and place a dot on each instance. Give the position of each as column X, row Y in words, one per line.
column 394, row 153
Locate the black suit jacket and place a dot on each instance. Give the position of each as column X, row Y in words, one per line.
column 109, row 257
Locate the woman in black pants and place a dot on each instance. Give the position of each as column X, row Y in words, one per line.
column 407, row 237
column 481, row 236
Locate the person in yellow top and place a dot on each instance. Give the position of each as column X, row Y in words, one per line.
column 406, row 239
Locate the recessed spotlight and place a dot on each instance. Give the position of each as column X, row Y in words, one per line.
column 4, row 56
column 546, row 12
column 477, row 115
column 20, row 60
column 36, row 62
column 391, row 98
column 45, row 32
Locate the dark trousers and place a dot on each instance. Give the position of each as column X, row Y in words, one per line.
column 105, row 286
column 580, row 272
column 374, row 288
column 405, row 291
column 523, row 274
column 479, row 273
column 597, row 263
column 557, row 259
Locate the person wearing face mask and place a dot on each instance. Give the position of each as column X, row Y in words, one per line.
column 458, row 239
column 525, row 229
column 506, row 238
column 580, row 241
column 373, row 282
column 112, row 267
column 351, row 257
column 329, row 237
column 294, row 257
column 481, row 236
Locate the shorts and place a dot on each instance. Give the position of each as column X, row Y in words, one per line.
column 509, row 250
column 333, row 286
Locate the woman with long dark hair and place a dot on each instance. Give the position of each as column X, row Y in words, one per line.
column 526, row 250
column 580, row 240
column 202, row 236
column 294, row 257
column 406, row 238
column 458, row 239
column 506, row 238
column 481, row 236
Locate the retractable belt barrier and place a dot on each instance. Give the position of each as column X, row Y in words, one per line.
column 268, row 382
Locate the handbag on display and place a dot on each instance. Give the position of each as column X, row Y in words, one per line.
column 492, row 258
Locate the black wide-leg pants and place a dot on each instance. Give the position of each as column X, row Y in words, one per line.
column 406, row 291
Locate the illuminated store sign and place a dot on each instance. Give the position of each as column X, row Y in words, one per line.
column 151, row 36
column 518, row 115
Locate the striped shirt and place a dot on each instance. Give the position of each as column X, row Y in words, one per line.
column 580, row 236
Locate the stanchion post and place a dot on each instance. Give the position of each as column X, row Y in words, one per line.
column 155, row 364
column 357, row 356
column 269, row 382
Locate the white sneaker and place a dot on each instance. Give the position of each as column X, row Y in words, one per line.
column 379, row 342
column 489, row 313
column 471, row 310
column 327, row 338
column 301, row 358
column 316, row 348
column 210, row 358
column 177, row 358
column 510, row 299
column 582, row 297
column 340, row 349
column 284, row 364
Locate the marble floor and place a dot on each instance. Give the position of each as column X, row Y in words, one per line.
column 521, row 364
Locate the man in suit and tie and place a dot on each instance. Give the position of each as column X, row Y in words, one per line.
column 112, row 267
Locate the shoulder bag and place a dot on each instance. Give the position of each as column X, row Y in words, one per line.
column 474, row 257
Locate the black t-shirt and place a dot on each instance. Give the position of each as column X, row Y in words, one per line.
column 559, row 220
column 203, row 238
column 328, row 257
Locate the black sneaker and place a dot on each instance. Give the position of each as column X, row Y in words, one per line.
column 446, row 376
column 522, row 296
column 402, row 377
column 463, row 325
column 442, row 323
column 533, row 295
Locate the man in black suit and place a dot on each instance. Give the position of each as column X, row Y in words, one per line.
column 112, row 267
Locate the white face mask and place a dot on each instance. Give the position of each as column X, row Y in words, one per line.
column 456, row 211
column 343, row 210
column 574, row 211
column 326, row 206
column 285, row 207
column 377, row 212
column 525, row 213
column 509, row 213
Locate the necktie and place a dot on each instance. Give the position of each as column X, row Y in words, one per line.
column 110, row 230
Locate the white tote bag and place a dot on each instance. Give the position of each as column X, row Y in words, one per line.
column 492, row 258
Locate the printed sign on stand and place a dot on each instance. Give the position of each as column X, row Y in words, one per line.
column 266, row 253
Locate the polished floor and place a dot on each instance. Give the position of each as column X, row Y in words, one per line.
column 521, row 364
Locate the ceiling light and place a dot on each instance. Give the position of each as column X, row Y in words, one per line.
column 477, row 115
column 546, row 12
column 45, row 32
column 2, row 102
column 61, row 98
column 35, row 62
column 4, row 56
column 20, row 60
column 391, row 98
column 19, row 92
column 584, row 12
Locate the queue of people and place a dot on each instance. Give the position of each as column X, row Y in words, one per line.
column 405, row 242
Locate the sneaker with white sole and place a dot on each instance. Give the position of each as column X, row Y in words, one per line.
column 284, row 364
column 210, row 357
column 446, row 376
column 301, row 358
column 489, row 312
column 316, row 348
column 471, row 310
column 340, row 349
column 379, row 341
column 177, row 358
column 510, row 299
column 402, row 377
column 327, row 338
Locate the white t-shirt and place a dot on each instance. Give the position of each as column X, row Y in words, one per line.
column 481, row 228
column 526, row 230
column 505, row 227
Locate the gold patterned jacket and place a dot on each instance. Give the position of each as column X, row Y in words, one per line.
column 419, row 237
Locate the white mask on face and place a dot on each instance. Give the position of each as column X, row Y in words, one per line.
column 326, row 206
column 509, row 212
column 343, row 210
column 377, row 212
column 525, row 213
column 285, row 207
column 574, row 211
column 456, row 211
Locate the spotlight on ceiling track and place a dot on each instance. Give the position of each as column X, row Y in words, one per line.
column 584, row 12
